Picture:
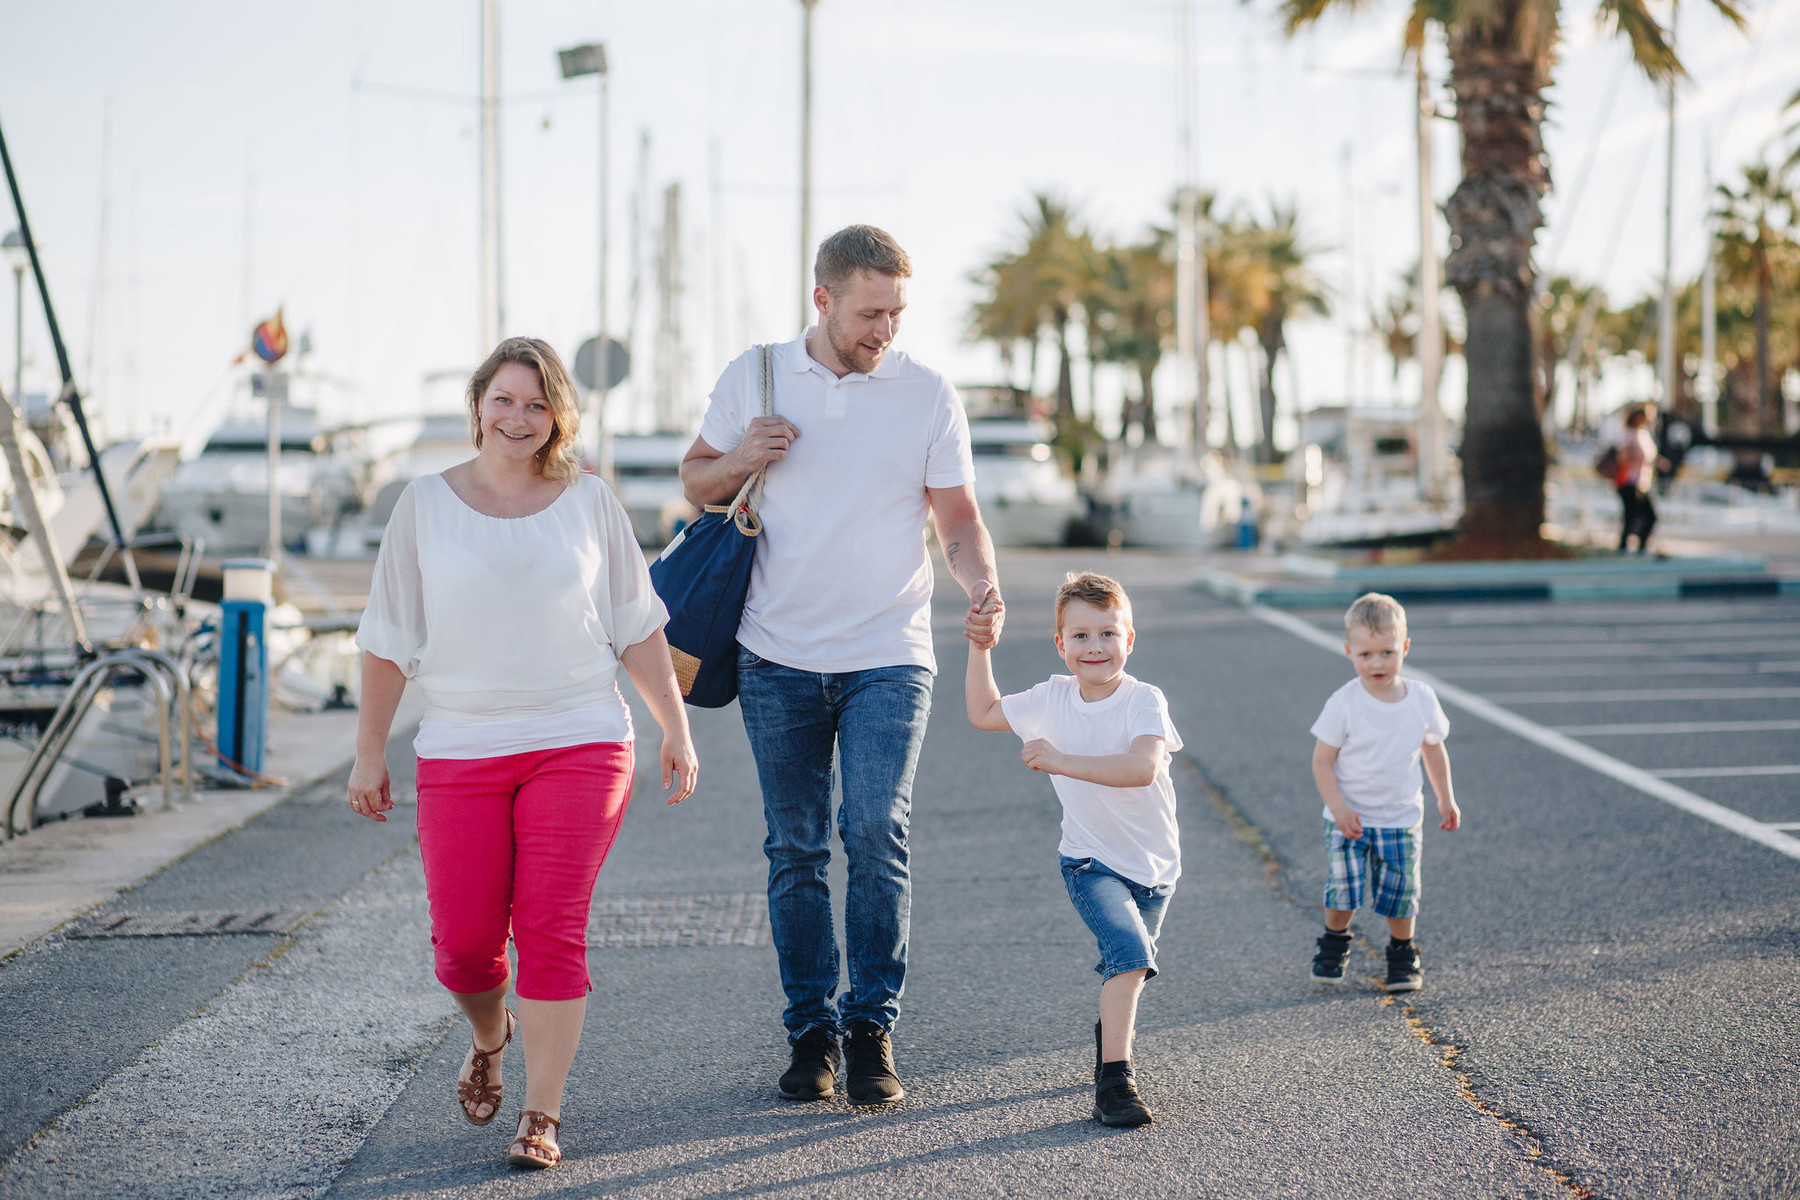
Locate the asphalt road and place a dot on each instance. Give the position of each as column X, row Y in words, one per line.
column 1609, row 1006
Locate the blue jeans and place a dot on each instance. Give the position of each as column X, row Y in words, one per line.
column 861, row 730
column 1125, row 916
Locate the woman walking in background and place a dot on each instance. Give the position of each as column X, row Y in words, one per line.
column 1634, row 476
column 511, row 589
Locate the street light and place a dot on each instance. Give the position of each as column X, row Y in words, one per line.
column 13, row 245
column 577, row 61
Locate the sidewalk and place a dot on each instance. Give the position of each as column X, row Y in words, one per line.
column 62, row 869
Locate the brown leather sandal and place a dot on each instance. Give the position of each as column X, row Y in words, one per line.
column 532, row 1148
column 476, row 1092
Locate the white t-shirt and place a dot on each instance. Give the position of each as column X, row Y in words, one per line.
column 1379, row 746
column 1131, row 830
column 512, row 626
column 842, row 581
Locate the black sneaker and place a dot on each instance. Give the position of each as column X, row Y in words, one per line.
column 870, row 1077
column 1117, row 1103
column 1334, row 951
column 812, row 1071
column 1403, row 968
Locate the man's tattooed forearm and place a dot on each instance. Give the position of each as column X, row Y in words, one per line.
column 950, row 553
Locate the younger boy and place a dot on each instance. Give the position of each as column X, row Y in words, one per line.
column 1372, row 735
column 1104, row 739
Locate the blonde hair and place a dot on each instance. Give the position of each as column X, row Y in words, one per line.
column 557, row 458
column 1376, row 613
column 858, row 248
column 1089, row 587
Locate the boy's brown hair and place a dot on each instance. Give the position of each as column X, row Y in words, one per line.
column 1377, row 613
column 1101, row 591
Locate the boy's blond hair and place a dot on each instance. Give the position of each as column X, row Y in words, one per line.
column 1089, row 587
column 1376, row 613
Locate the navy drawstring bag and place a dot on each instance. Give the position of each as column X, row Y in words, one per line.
column 703, row 577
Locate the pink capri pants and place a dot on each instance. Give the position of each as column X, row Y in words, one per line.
column 512, row 845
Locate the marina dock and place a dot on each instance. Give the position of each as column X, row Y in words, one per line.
column 244, row 1005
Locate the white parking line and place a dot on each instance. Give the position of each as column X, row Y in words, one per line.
column 1587, row 756
column 1784, row 824
column 1516, row 670
column 1723, row 772
column 1677, row 727
column 1658, row 651
column 1629, row 694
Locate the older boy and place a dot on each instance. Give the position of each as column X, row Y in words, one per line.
column 1372, row 736
column 1104, row 738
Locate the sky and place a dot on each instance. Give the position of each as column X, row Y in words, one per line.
column 323, row 158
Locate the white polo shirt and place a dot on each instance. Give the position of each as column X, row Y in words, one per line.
column 842, row 580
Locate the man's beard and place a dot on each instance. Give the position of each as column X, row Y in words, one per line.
column 848, row 351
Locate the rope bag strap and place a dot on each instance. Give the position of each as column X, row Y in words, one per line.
column 743, row 506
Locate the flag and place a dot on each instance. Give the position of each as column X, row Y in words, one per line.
column 270, row 340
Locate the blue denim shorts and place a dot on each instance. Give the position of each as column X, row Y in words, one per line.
column 1125, row 916
column 1384, row 860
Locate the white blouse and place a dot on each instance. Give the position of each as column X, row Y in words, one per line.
column 512, row 626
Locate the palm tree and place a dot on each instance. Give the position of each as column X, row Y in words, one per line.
column 1288, row 289
column 1137, row 317
column 1753, row 224
column 1563, row 309
column 1501, row 55
column 1006, row 315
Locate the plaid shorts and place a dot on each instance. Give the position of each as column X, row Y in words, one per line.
column 1387, row 858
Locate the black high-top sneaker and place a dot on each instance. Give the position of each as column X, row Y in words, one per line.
column 1403, row 973
column 1334, row 951
column 1116, row 1099
column 870, row 1077
column 812, row 1069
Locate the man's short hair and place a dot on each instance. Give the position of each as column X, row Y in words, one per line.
column 1376, row 613
column 1101, row 591
column 858, row 248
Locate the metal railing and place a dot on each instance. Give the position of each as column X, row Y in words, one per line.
column 166, row 678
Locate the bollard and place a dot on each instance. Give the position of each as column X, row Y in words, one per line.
column 244, row 662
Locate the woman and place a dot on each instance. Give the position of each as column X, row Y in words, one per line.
column 510, row 588
column 1634, row 476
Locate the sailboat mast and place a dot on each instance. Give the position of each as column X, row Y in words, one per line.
column 492, row 317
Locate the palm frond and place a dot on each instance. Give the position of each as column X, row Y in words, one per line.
column 1650, row 47
column 1296, row 14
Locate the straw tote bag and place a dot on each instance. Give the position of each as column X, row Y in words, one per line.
column 703, row 576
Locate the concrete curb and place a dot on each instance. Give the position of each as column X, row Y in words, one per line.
column 1312, row 582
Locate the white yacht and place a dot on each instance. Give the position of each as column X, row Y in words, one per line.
column 220, row 498
column 646, row 472
column 1153, row 497
column 1025, row 498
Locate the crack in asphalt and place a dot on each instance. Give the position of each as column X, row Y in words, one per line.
column 1449, row 1052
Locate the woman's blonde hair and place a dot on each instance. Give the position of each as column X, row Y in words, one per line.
column 558, row 458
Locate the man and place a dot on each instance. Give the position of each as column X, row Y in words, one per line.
column 835, row 663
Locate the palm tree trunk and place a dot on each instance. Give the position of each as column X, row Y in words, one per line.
column 1065, row 370
column 1767, row 412
column 1493, row 215
column 1272, row 343
column 1147, row 411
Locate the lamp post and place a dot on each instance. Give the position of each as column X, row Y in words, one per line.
column 577, row 61
column 14, row 247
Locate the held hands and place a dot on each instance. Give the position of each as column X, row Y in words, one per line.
column 987, row 612
column 368, row 793
column 680, row 767
column 765, row 441
column 1452, row 815
column 1040, row 755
